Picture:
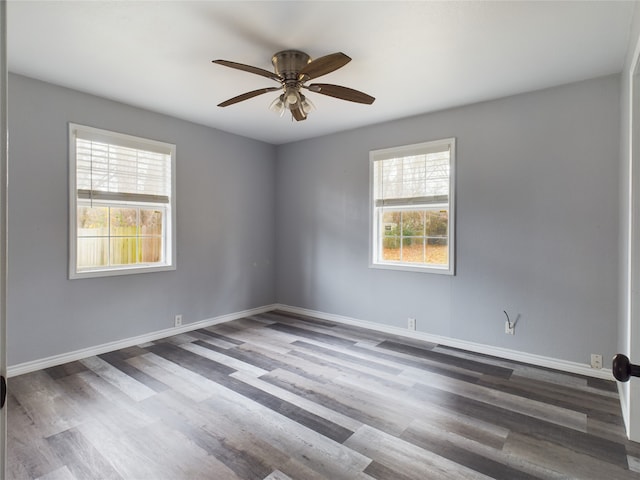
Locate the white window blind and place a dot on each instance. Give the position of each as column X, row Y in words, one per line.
column 412, row 180
column 122, row 169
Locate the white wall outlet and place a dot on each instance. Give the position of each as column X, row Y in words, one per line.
column 178, row 320
column 596, row 361
column 411, row 323
column 509, row 328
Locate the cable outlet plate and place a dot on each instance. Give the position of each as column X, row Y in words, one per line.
column 411, row 323
column 509, row 328
column 178, row 321
column 596, row 361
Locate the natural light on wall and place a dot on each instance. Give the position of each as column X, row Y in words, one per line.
column 122, row 204
column 412, row 204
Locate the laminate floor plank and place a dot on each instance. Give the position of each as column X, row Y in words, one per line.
column 634, row 463
column 138, row 375
column 30, row 455
column 307, row 333
column 230, row 362
column 591, row 407
column 125, row 383
column 434, row 366
column 277, row 475
column 48, row 407
column 94, row 398
column 212, row 428
column 355, row 370
column 296, row 319
column 476, row 430
column 333, row 330
column 65, row 370
column 561, row 457
column 348, row 358
column 289, row 410
column 282, row 396
column 388, row 418
column 228, row 341
column 429, row 353
column 422, row 432
column 441, row 443
column 529, row 407
column 182, row 380
column 62, row 473
column 325, row 456
column 407, row 459
column 80, row 457
column 606, row 451
column 312, row 407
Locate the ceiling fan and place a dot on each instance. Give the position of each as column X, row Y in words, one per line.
column 292, row 69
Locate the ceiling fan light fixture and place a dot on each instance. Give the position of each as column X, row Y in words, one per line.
column 307, row 105
column 277, row 106
column 292, row 96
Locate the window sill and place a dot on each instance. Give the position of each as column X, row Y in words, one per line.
column 444, row 270
column 112, row 272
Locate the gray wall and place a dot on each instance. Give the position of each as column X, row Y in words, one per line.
column 225, row 228
column 537, row 224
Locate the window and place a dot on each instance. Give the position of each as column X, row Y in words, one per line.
column 122, row 207
column 412, row 205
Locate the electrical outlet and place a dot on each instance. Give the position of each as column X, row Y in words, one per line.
column 178, row 320
column 509, row 328
column 411, row 323
column 596, row 361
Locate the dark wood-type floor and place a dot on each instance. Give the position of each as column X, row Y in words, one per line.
column 278, row 396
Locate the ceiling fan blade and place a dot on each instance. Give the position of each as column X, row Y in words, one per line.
column 298, row 113
column 323, row 65
column 249, row 68
column 343, row 93
column 247, row 96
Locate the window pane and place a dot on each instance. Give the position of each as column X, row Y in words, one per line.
column 413, row 249
column 150, row 249
column 124, row 251
column 390, row 226
column 413, row 223
column 415, row 236
column 437, row 223
column 124, row 221
column 150, row 222
column 92, row 252
column 437, row 251
column 92, row 222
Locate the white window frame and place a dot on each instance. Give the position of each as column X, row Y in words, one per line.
column 169, row 231
column 375, row 239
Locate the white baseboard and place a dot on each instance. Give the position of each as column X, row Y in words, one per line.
column 548, row 362
column 530, row 358
column 21, row 368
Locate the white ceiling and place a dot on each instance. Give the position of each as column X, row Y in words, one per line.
column 414, row 57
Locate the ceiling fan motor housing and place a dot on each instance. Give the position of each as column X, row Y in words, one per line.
column 288, row 64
